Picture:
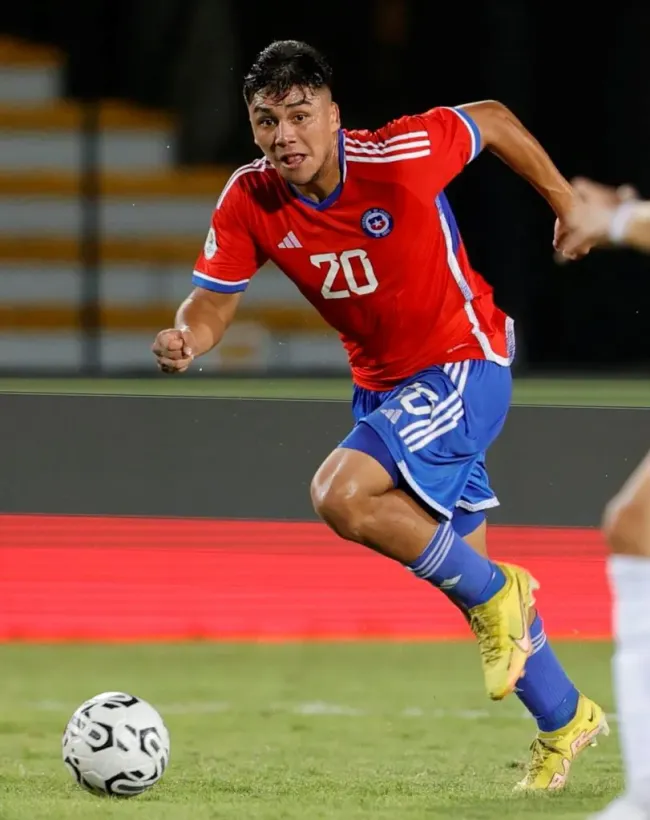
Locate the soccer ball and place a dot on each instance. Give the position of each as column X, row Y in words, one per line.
column 116, row 744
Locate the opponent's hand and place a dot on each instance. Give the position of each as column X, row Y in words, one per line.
column 174, row 350
column 589, row 221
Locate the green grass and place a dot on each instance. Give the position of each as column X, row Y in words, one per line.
column 290, row 732
column 575, row 392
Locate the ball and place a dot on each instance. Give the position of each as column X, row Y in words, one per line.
column 116, row 744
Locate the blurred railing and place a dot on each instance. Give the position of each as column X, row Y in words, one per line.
column 101, row 220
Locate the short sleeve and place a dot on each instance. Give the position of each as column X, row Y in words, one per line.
column 230, row 256
column 444, row 140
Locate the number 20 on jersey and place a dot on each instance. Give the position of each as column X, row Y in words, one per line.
column 347, row 273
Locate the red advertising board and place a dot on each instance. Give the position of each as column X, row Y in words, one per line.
column 120, row 579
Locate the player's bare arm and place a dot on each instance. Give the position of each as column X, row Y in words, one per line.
column 504, row 135
column 201, row 322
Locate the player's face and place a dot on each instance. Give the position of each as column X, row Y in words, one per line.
column 297, row 133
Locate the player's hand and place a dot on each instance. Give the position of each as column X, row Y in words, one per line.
column 568, row 244
column 174, row 350
column 589, row 222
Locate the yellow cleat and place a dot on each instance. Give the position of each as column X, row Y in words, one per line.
column 501, row 626
column 554, row 752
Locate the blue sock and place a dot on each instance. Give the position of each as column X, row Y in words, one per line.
column 545, row 690
column 453, row 566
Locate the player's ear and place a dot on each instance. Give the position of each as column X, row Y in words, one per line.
column 250, row 119
column 335, row 116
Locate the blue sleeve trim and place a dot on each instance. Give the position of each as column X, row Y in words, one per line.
column 474, row 131
column 219, row 285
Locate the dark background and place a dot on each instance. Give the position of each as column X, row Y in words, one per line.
column 116, row 456
column 579, row 83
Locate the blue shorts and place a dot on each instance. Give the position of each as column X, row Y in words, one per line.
column 435, row 429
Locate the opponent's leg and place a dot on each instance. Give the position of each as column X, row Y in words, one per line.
column 355, row 495
column 626, row 527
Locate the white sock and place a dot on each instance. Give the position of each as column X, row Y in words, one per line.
column 630, row 581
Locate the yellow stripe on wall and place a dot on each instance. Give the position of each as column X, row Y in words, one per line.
column 32, row 318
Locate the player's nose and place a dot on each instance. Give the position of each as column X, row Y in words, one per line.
column 284, row 135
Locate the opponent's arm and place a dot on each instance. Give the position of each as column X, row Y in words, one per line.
column 504, row 135
column 608, row 216
column 635, row 226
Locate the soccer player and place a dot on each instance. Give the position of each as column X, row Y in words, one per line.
column 615, row 217
column 360, row 222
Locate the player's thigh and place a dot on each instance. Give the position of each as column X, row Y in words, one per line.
column 469, row 523
column 345, row 479
column 469, row 519
column 626, row 522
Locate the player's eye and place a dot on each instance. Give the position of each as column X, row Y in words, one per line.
column 267, row 122
column 300, row 117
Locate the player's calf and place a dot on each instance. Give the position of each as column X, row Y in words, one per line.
column 355, row 495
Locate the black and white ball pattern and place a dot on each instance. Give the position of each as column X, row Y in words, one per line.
column 116, row 744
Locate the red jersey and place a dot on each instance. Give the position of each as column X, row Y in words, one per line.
column 381, row 258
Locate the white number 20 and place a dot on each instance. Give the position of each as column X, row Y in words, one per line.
column 343, row 261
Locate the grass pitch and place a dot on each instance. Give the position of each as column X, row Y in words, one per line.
column 277, row 732
column 574, row 392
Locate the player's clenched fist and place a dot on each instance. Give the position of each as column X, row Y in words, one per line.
column 174, row 350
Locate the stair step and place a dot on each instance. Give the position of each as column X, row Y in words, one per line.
column 17, row 52
column 48, row 317
column 191, row 182
column 155, row 250
column 66, row 115
column 129, row 283
column 245, row 346
column 62, row 150
column 164, row 216
column 28, row 84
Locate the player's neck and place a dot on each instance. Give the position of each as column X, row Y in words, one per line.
column 326, row 181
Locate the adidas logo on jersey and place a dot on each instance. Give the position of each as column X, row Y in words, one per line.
column 290, row 241
column 392, row 414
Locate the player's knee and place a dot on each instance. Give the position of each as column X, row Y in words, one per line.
column 341, row 504
column 626, row 526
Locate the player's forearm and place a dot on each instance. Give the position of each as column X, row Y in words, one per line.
column 631, row 225
column 202, row 313
column 504, row 135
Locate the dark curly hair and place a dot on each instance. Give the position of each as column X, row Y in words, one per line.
column 285, row 64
